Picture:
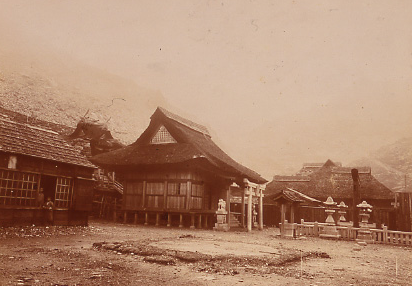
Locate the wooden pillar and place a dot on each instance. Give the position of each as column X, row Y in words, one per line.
column 181, row 221
column 192, row 221
column 125, row 217
column 115, row 210
column 249, row 210
column 157, row 219
column 169, row 220
column 146, row 218
column 282, row 214
column 206, row 223
column 242, row 211
column 228, row 207
column 200, row 221
column 292, row 213
column 260, row 209
column 135, row 218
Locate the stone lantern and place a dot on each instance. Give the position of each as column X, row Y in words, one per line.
column 365, row 209
column 330, row 230
column 364, row 233
column 342, row 211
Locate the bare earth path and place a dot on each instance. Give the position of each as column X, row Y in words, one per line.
column 66, row 256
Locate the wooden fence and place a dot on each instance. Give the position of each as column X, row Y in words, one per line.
column 313, row 229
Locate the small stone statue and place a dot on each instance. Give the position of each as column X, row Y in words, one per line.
column 221, row 205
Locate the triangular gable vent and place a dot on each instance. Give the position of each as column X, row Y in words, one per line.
column 162, row 137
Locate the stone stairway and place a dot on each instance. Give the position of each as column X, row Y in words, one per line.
column 234, row 222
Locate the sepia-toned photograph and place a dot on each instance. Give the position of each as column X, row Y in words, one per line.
column 250, row 142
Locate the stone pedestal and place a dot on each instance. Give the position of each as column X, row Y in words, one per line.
column 221, row 215
column 221, row 221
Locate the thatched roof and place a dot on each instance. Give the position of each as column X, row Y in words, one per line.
column 193, row 143
column 331, row 180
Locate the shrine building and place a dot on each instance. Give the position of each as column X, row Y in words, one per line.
column 174, row 174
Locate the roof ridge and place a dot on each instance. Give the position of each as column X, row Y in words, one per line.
column 188, row 123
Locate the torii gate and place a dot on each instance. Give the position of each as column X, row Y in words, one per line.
column 252, row 190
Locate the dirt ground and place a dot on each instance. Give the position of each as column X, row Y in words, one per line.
column 116, row 254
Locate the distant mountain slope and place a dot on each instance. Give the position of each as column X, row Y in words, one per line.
column 392, row 164
column 44, row 86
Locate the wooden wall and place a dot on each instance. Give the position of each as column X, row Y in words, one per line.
column 175, row 190
column 74, row 191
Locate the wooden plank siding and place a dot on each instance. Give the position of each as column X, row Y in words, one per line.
column 179, row 190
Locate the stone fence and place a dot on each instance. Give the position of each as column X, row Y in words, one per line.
column 314, row 229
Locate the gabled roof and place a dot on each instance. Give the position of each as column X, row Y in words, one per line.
column 331, row 181
column 25, row 139
column 188, row 123
column 194, row 143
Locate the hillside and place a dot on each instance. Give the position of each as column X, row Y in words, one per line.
column 42, row 85
column 391, row 163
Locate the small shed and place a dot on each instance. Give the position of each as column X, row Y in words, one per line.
column 293, row 206
column 34, row 158
column 175, row 174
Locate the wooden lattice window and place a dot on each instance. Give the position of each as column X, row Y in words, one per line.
column 162, row 137
column 197, row 196
column 64, row 192
column 155, row 194
column 176, row 195
column 17, row 188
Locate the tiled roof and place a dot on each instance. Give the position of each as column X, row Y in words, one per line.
column 38, row 142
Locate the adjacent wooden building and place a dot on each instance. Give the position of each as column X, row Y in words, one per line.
column 321, row 180
column 31, row 158
column 175, row 174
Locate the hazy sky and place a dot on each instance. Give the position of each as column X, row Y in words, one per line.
column 279, row 82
